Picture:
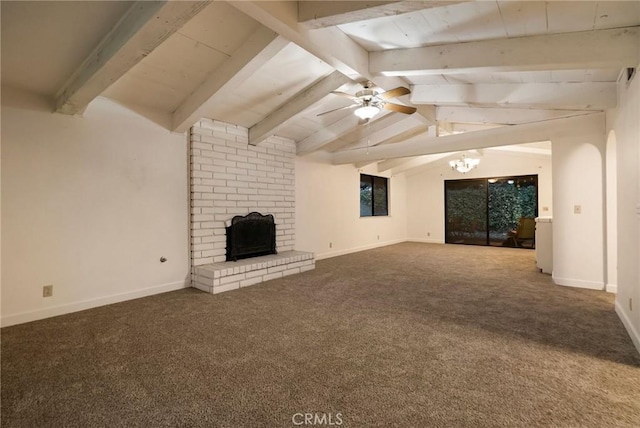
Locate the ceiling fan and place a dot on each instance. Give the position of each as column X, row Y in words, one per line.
column 369, row 102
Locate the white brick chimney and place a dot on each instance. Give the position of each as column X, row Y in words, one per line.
column 231, row 177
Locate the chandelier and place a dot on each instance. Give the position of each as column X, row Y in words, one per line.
column 464, row 164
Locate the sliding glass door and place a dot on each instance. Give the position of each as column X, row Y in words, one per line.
column 466, row 211
column 487, row 211
column 510, row 199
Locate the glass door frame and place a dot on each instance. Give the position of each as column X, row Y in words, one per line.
column 486, row 182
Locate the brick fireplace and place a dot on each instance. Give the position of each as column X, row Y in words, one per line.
column 229, row 177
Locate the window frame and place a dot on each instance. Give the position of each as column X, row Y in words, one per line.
column 372, row 182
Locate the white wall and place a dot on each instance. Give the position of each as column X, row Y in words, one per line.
column 611, row 202
column 425, row 188
column 328, row 209
column 89, row 205
column 626, row 126
column 578, row 238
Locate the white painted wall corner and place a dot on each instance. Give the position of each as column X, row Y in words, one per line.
column 635, row 335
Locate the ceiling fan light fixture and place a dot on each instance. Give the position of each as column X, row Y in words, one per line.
column 366, row 112
column 369, row 102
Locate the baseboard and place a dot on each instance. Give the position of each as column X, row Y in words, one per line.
column 358, row 249
column 426, row 241
column 611, row 288
column 635, row 336
column 68, row 308
column 578, row 283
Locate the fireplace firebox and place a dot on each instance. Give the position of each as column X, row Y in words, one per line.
column 251, row 236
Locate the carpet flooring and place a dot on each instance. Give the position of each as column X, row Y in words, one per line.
column 409, row 335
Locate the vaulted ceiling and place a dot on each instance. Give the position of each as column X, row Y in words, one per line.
column 481, row 73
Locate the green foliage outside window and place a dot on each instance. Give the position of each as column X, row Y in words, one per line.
column 508, row 203
column 466, row 208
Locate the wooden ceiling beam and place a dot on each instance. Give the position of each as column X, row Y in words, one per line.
column 572, row 95
column 261, row 46
column 502, row 116
column 613, row 48
column 330, row 44
column 144, row 26
column 403, row 165
column 320, row 14
column 577, row 126
column 282, row 17
column 295, row 105
column 326, row 135
column 348, row 124
column 375, row 137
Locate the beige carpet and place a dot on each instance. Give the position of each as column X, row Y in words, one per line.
column 411, row 335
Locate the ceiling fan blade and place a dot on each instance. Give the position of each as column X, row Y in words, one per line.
column 338, row 109
column 343, row 94
column 397, row 92
column 400, row 109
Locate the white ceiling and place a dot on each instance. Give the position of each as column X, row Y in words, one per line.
column 255, row 64
column 485, row 20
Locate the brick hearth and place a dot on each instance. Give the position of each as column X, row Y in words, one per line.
column 218, row 277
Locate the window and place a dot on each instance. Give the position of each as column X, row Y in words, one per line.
column 374, row 196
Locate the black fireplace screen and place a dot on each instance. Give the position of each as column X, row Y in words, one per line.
column 251, row 236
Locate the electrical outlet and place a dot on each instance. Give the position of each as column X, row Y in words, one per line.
column 330, row 244
column 47, row 290
column 428, row 233
column 577, row 209
column 378, row 237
